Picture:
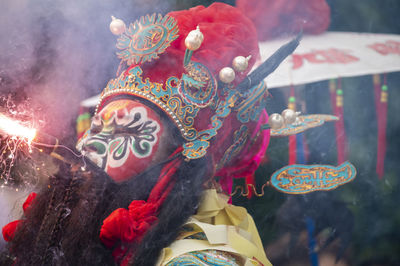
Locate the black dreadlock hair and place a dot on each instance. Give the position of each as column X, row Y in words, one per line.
column 63, row 225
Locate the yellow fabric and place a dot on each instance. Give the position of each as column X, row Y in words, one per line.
column 227, row 228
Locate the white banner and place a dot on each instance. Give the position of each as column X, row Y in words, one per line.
column 332, row 55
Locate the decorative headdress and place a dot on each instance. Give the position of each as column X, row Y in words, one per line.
column 192, row 65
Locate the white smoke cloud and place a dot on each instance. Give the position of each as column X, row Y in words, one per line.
column 59, row 53
column 62, row 51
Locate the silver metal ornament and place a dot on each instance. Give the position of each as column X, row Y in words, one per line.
column 289, row 116
column 276, row 121
column 227, row 75
column 241, row 63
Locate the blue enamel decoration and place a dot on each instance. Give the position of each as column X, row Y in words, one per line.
column 198, row 87
column 198, row 148
column 205, row 257
column 253, row 104
column 145, row 39
column 240, row 139
column 300, row 179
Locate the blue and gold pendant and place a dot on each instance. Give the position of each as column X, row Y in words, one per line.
column 301, row 179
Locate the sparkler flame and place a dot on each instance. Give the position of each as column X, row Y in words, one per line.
column 12, row 127
column 17, row 166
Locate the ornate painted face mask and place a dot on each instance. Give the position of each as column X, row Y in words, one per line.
column 124, row 138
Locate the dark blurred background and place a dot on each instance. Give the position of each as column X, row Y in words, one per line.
column 364, row 215
column 55, row 54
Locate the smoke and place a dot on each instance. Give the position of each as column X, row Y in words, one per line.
column 59, row 52
column 54, row 54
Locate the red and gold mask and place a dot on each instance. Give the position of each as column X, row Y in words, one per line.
column 124, row 138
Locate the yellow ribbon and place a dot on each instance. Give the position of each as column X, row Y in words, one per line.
column 227, row 228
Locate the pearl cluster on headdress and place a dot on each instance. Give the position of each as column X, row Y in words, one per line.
column 193, row 42
column 288, row 117
column 239, row 63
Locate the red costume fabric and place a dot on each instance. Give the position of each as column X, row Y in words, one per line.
column 227, row 34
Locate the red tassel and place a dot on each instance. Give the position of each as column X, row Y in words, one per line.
column 377, row 93
column 249, row 179
column 292, row 149
column 382, row 121
column 292, row 139
column 341, row 139
column 332, row 93
column 164, row 184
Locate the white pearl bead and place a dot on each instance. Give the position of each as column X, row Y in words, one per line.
column 289, row 116
column 240, row 63
column 275, row 121
column 194, row 39
column 227, row 75
column 117, row 26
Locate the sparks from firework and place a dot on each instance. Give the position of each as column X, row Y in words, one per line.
column 17, row 139
column 20, row 138
column 14, row 128
column 18, row 121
